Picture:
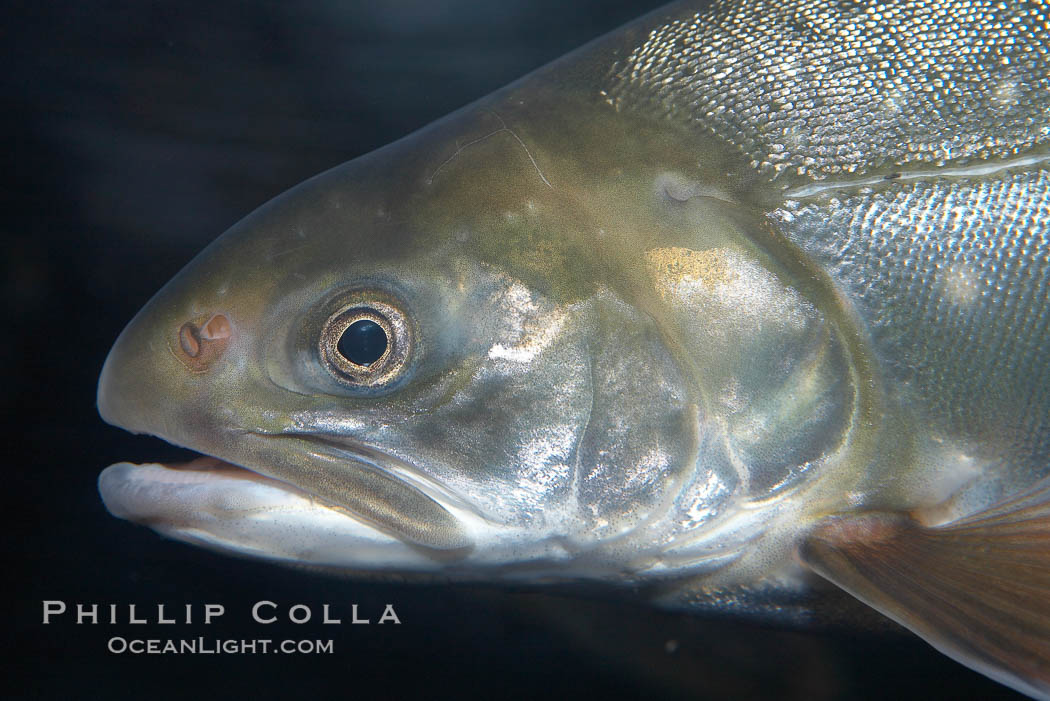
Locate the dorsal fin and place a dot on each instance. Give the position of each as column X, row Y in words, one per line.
column 977, row 589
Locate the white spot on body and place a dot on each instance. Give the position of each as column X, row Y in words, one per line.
column 892, row 104
column 1007, row 94
column 961, row 285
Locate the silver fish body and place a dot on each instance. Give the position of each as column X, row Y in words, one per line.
column 705, row 304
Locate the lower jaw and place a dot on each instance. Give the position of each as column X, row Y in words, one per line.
column 222, row 506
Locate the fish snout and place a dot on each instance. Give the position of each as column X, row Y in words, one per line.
column 151, row 369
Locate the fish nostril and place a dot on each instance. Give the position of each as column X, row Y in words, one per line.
column 217, row 328
column 202, row 341
column 190, row 339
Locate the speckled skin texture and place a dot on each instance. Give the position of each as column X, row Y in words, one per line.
column 813, row 89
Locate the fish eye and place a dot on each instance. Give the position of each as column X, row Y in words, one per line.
column 365, row 344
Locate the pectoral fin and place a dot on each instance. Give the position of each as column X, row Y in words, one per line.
column 978, row 589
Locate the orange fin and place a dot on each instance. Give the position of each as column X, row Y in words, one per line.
column 977, row 589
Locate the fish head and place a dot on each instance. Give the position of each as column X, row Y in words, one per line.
column 452, row 354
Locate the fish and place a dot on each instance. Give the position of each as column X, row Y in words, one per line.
column 737, row 307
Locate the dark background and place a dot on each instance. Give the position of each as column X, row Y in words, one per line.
column 136, row 132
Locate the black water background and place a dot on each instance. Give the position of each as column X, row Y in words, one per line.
column 134, row 133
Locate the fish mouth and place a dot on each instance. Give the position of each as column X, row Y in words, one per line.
column 140, row 491
column 215, row 503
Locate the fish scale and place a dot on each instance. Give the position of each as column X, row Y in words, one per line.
column 953, row 281
column 811, row 90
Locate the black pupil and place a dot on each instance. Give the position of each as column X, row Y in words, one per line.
column 363, row 342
